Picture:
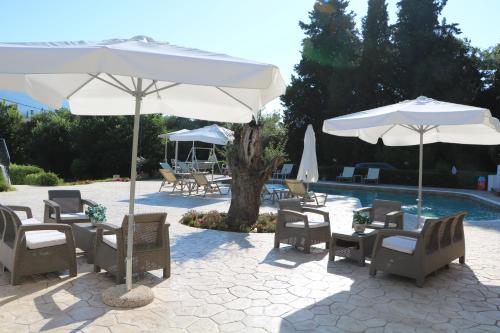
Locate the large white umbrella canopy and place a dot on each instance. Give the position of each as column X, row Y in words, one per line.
column 213, row 134
column 308, row 169
column 139, row 76
column 418, row 122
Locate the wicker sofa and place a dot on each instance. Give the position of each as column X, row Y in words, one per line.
column 30, row 247
column 384, row 214
column 416, row 254
column 151, row 246
column 295, row 228
column 66, row 206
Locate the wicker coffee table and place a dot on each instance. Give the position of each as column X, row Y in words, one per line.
column 85, row 234
column 351, row 245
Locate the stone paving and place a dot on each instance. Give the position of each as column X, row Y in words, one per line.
column 232, row 282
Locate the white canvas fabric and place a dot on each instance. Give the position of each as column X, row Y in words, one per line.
column 213, row 134
column 110, row 240
column 400, row 244
column 201, row 84
column 308, row 169
column 452, row 123
column 312, row 224
column 167, row 135
column 44, row 238
column 71, row 216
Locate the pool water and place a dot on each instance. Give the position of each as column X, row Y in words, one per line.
column 434, row 205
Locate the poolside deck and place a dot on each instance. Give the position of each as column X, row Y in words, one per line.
column 232, row 282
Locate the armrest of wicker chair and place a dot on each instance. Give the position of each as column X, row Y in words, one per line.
column 326, row 215
column 52, row 206
column 363, row 210
column 89, row 202
column 298, row 215
column 110, row 227
column 66, row 229
column 25, row 209
column 395, row 217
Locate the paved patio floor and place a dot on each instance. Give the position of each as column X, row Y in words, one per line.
column 232, row 282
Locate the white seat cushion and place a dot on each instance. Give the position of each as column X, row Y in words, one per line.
column 30, row 221
column 71, row 216
column 400, row 244
column 312, row 224
column 382, row 224
column 110, row 240
column 44, row 238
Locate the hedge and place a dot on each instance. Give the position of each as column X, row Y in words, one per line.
column 3, row 183
column 18, row 173
column 463, row 179
column 43, row 179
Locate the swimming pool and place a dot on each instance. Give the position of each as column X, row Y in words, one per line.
column 434, row 205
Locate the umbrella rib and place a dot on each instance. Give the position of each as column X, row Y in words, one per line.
column 163, row 88
column 150, row 85
column 119, row 82
column 236, row 99
column 79, row 87
column 385, row 132
column 133, row 83
column 112, row 84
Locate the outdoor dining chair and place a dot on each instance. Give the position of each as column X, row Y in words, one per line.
column 298, row 189
column 294, row 227
column 66, row 206
column 384, row 214
column 151, row 246
column 347, row 174
column 30, row 247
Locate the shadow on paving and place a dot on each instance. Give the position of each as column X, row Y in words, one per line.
column 74, row 301
column 202, row 243
column 451, row 299
column 178, row 200
column 290, row 257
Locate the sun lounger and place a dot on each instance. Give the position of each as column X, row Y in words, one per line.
column 347, row 175
column 170, row 178
column 209, row 186
column 285, row 172
column 298, row 189
column 372, row 175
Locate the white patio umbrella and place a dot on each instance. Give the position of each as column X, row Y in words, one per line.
column 418, row 122
column 139, row 76
column 308, row 169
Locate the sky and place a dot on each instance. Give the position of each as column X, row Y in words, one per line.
column 260, row 30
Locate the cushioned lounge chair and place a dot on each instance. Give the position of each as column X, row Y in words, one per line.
column 284, row 172
column 298, row 189
column 372, row 176
column 208, row 186
column 294, row 226
column 66, row 206
column 151, row 246
column 416, row 254
column 30, row 247
column 347, row 175
column 384, row 214
column 170, row 178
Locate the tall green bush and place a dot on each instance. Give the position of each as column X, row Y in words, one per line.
column 3, row 183
column 18, row 173
column 43, row 179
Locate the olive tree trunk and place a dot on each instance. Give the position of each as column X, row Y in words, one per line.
column 250, row 171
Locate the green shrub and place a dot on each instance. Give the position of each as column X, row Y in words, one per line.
column 43, row 179
column 266, row 222
column 3, row 183
column 18, row 173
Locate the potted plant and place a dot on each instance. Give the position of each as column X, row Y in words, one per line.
column 360, row 220
column 97, row 214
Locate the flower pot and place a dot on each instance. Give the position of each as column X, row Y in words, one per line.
column 359, row 227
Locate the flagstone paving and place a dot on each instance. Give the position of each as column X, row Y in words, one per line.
column 232, row 282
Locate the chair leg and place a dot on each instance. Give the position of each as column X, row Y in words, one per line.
column 276, row 242
column 166, row 272
column 420, row 281
column 462, row 259
column 161, row 186
column 15, row 279
column 97, row 269
column 373, row 271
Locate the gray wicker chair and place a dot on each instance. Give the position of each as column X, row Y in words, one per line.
column 416, row 254
column 66, row 206
column 29, row 247
column 151, row 246
column 294, row 227
column 384, row 214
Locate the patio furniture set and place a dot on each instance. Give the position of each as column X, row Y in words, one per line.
column 28, row 246
column 413, row 254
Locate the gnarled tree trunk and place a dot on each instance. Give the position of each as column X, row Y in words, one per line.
column 250, row 172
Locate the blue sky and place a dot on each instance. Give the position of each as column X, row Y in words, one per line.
column 262, row 30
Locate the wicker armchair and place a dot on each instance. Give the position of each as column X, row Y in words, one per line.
column 416, row 254
column 30, row 247
column 294, row 227
column 384, row 214
column 66, row 206
column 151, row 246
column 298, row 189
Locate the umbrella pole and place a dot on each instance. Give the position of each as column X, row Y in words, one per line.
column 420, row 171
column 133, row 177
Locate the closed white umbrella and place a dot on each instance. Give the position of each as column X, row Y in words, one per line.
column 139, row 76
column 308, row 169
column 418, row 122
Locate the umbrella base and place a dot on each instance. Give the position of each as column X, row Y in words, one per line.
column 118, row 296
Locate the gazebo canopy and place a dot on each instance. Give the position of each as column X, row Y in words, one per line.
column 213, row 134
